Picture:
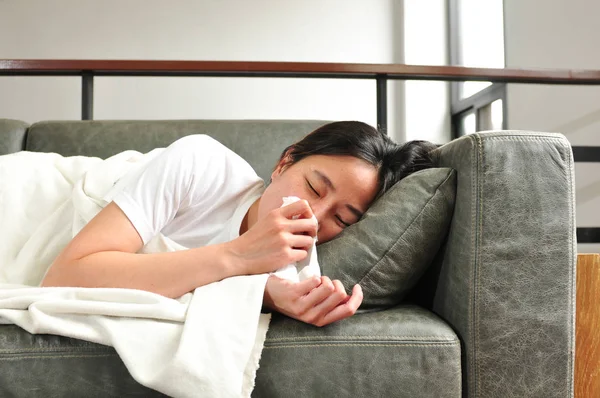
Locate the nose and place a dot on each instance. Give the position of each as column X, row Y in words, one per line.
column 319, row 211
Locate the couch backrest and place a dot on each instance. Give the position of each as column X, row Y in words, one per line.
column 260, row 142
column 12, row 135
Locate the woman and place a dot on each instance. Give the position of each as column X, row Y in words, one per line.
column 205, row 197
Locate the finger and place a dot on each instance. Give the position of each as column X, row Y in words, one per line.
column 298, row 255
column 303, row 225
column 335, row 298
column 301, row 241
column 299, row 208
column 345, row 300
column 317, row 295
column 306, row 286
column 344, row 310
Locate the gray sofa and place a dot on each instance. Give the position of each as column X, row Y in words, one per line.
column 493, row 317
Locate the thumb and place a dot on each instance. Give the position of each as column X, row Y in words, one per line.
column 307, row 285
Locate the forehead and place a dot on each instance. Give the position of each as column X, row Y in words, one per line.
column 351, row 177
column 333, row 159
column 337, row 165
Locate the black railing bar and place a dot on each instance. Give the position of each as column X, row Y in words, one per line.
column 381, row 95
column 87, row 96
column 588, row 235
column 586, row 154
column 485, row 96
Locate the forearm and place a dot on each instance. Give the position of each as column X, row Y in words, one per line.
column 170, row 274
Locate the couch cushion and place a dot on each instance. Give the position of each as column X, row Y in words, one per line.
column 393, row 244
column 45, row 365
column 402, row 352
column 12, row 135
column 260, row 142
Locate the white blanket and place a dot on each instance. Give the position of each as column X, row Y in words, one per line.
column 206, row 343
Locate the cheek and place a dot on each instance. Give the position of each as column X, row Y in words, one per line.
column 271, row 199
column 327, row 232
column 275, row 192
column 266, row 205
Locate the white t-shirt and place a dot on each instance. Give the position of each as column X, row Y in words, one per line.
column 196, row 192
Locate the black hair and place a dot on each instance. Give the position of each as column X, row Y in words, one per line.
column 393, row 161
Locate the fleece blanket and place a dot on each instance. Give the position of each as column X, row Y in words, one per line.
column 205, row 343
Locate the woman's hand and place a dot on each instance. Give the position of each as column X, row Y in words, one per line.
column 274, row 241
column 318, row 301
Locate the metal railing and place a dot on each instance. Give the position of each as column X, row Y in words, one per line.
column 379, row 73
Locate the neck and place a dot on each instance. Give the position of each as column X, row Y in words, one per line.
column 250, row 218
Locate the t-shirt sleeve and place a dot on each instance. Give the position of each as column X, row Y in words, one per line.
column 183, row 175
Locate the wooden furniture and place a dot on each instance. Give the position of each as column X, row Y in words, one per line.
column 587, row 329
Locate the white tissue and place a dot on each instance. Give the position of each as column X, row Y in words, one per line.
column 307, row 268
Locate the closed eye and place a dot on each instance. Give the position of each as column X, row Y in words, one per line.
column 342, row 221
column 311, row 187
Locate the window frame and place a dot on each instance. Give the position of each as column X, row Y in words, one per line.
column 460, row 107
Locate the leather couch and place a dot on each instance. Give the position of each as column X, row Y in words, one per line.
column 493, row 317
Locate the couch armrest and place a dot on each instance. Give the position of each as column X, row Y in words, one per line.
column 12, row 135
column 507, row 279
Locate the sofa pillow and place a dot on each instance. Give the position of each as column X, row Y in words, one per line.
column 390, row 248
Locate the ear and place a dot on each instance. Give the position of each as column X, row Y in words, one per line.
column 284, row 163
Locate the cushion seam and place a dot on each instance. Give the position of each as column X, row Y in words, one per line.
column 523, row 138
column 18, row 357
column 572, row 274
column 78, row 349
column 477, row 261
column 450, row 345
column 359, row 337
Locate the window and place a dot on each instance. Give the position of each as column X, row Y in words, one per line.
column 477, row 40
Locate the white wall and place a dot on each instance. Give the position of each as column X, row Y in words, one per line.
column 558, row 34
column 267, row 30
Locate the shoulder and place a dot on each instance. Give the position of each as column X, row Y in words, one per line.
column 200, row 152
column 201, row 144
column 191, row 144
column 197, row 150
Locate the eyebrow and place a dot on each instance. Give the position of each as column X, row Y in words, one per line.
column 328, row 182
column 325, row 179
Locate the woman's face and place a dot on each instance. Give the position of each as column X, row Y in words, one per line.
column 339, row 189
